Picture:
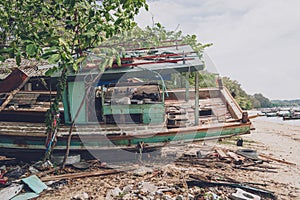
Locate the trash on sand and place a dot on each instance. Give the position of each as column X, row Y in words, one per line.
column 33, row 170
column 58, row 159
column 243, row 195
column 10, row 191
column 15, row 173
column 81, row 165
column 35, row 184
column 25, row 196
column 248, row 153
column 43, row 165
column 81, row 196
column 148, row 187
column 142, row 171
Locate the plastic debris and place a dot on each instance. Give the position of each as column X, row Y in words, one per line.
column 10, row 191
column 35, row 184
column 243, row 195
column 25, row 196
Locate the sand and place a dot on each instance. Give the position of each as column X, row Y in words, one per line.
column 281, row 141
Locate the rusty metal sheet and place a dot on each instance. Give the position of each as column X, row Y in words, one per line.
column 12, row 81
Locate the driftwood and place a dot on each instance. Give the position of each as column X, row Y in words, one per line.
column 255, row 169
column 237, row 158
column 80, row 175
column 4, row 158
column 221, row 153
column 275, row 159
column 197, row 181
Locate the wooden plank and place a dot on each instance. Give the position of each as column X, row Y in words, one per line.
column 275, row 159
column 13, row 93
column 236, row 157
column 81, row 175
column 221, row 153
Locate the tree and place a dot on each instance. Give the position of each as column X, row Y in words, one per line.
column 242, row 98
column 61, row 32
column 264, row 102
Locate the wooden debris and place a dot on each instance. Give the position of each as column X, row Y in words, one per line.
column 221, row 153
column 80, row 175
column 41, row 174
column 4, row 158
column 204, row 183
column 237, row 158
column 275, row 159
column 255, row 169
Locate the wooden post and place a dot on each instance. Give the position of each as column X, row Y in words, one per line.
column 196, row 98
column 102, row 102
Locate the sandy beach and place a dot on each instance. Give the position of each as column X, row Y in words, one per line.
column 280, row 140
column 275, row 139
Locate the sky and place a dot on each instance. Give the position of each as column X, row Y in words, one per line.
column 256, row 42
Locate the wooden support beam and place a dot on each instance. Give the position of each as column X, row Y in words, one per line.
column 187, row 86
column 196, row 98
column 13, row 93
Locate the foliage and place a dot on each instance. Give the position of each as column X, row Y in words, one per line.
column 205, row 79
column 263, row 101
column 58, row 30
column 245, row 100
column 242, row 98
column 286, row 103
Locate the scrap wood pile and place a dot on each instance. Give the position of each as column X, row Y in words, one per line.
column 217, row 175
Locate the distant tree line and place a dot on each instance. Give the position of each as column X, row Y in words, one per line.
column 286, row 103
column 245, row 100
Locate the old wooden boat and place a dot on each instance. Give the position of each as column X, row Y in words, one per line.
column 130, row 108
column 293, row 115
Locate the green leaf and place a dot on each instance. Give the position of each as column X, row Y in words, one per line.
column 18, row 58
column 119, row 63
column 2, row 58
column 75, row 67
column 79, row 60
column 62, row 42
column 103, row 65
column 50, row 71
column 31, row 49
column 6, row 50
column 110, row 61
column 54, row 58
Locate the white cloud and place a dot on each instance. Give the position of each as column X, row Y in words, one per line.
column 255, row 41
